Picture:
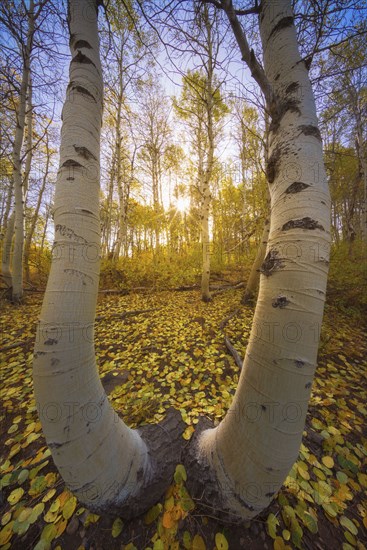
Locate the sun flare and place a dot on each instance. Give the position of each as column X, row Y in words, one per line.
column 183, row 204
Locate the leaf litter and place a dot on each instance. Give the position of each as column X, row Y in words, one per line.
column 165, row 349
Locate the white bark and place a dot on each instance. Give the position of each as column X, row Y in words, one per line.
column 207, row 173
column 6, row 255
column 101, row 460
column 249, row 295
column 28, row 240
column 254, row 447
column 17, row 260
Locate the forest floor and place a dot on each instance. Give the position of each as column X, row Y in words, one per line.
column 162, row 349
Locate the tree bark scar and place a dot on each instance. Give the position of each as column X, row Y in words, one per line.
column 296, row 187
column 81, row 58
column 310, row 130
column 280, row 301
column 72, row 163
column 290, row 104
column 271, row 263
column 82, row 44
column 55, row 445
column 50, row 342
column 70, row 233
column 84, row 152
column 299, row 364
column 291, row 88
column 302, row 223
column 81, row 90
column 272, row 167
column 282, row 24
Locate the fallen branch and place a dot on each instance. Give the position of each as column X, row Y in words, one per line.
column 228, row 318
column 127, row 314
column 236, row 356
column 228, row 287
column 17, row 344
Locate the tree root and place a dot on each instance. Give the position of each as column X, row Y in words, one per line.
column 165, row 444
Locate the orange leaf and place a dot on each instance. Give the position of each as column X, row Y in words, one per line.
column 168, row 520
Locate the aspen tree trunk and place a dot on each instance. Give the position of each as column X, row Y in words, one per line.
column 107, row 465
column 29, row 141
column 17, row 260
column 6, row 255
column 250, row 453
column 28, row 240
column 207, row 175
column 362, row 168
column 7, row 207
column 118, row 171
column 249, row 296
column 364, row 203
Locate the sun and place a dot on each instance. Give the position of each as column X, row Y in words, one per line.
column 182, row 204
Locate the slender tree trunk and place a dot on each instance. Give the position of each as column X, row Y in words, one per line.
column 106, row 464
column 249, row 296
column 205, row 239
column 7, row 249
column 19, row 195
column 29, row 141
column 156, row 203
column 28, row 240
column 364, row 203
column 118, row 173
column 252, row 450
column 207, row 175
column 361, row 148
column 252, row 286
column 7, row 208
column 47, row 216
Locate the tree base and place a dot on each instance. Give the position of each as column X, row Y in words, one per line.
column 248, row 298
column 201, row 482
column 165, row 443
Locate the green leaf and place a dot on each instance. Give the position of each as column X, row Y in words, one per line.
column 198, row 543
column 15, row 496
column 342, row 477
column 152, row 514
column 310, row 522
column 117, row 527
column 23, row 475
column 348, row 524
column 271, row 524
column 186, row 539
column 69, row 507
column 296, row 532
column 221, row 542
column 180, row 474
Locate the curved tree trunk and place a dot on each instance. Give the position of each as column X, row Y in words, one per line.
column 253, row 449
column 249, row 296
column 106, row 464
